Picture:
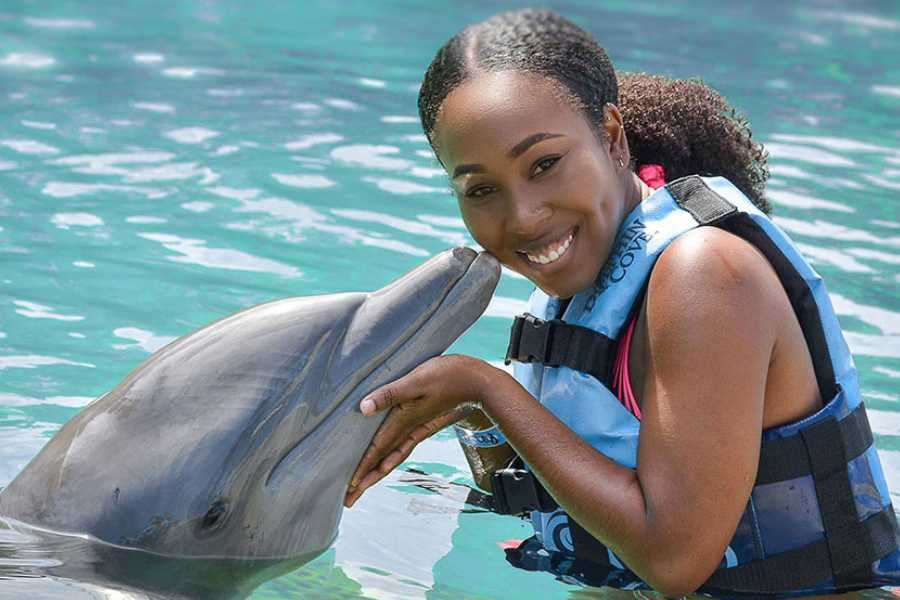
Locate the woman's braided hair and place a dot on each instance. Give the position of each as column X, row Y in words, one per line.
column 683, row 125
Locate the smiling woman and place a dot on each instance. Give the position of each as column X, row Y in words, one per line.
column 735, row 456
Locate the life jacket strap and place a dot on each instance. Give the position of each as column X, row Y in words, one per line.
column 556, row 343
column 516, row 491
column 810, row 565
column 786, row 458
column 693, row 195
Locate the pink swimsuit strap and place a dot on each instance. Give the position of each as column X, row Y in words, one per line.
column 655, row 177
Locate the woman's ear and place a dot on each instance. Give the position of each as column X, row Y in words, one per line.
column 614, row 134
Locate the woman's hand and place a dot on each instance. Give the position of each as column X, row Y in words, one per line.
column 432, row 396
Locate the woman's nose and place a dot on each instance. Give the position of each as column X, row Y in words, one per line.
column 526, row 214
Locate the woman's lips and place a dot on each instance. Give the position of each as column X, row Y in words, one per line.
column 552, row 252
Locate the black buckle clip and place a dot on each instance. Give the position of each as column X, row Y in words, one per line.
column 529, row 340
column 516, row 491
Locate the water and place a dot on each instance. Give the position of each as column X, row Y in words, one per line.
column 164, row 164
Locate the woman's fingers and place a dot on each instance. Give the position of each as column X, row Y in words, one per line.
column 391, row 394
column 386, row 439
column 386, row 456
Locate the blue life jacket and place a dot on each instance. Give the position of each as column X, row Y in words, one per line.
column 819, row 518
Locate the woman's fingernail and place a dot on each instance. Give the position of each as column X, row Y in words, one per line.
column 367, row 406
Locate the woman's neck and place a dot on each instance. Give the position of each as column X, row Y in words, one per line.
column 637, row 192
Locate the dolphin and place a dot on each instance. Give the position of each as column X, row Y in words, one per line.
column 238, row 441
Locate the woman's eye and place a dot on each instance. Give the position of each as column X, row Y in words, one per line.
column 479, row 192
column 544, row 164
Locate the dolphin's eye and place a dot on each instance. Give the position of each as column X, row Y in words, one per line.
column 214, row 515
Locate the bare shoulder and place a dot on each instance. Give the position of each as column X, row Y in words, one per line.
column 712, row 280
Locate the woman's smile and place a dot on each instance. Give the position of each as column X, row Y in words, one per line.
column 541, row 254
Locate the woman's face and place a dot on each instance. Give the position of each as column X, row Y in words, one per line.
column 536, row 187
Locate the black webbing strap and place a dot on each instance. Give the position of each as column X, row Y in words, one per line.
column 787, row 458
column 810, row 565
column 848, row 549
column 693, row 195
column 516, row 490
column 556, row 343
column 800, row 296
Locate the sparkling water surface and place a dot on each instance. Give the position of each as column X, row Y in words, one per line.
column 167, row 163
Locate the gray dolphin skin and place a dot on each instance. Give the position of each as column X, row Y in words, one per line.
column 237, row 441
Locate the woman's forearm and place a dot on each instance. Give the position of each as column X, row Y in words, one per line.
column 602, row 496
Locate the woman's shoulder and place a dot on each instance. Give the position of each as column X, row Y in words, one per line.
column 706, row 280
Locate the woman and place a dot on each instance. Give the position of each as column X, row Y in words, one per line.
column 734, row 455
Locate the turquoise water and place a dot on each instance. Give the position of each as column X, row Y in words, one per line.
column 165, row 164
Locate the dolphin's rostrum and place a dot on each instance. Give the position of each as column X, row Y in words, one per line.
column 237, row 441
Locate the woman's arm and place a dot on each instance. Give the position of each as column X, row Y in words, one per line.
column 711, row 331
column 710, row 338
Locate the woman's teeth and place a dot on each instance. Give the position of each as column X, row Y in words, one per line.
column 553, row 252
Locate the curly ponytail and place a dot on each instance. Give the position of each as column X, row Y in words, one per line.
column 689, row 128
column 683, row 125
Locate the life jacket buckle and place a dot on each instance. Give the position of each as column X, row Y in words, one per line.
column 517, row 491
column 529, row 339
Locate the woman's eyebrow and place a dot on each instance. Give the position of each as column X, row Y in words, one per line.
column 520, row 148
column 514, row 152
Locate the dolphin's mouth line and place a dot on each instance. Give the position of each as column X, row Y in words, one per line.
column 398, row 344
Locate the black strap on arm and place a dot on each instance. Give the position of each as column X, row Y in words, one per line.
column 556, row 343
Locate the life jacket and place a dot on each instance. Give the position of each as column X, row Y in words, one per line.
column 819, row 518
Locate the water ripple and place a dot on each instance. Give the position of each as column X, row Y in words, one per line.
column 145, row 340
column 299, row 218
column 823, row 229
column 158, row 107
column 63, row 189
column 191, row 72
column 103, row 164
column 8, row 399
column 194, row 251
column 402, row 187
column 834, row 143
column 342, row 104
column 29, row 147
column 373, row 157
column 808, row 154
column 27, row 60
column 67, row 220
column 833, row 256
column 887, row 90
column 32, row 361
column 795, row 200
column 304, row 181
column 38, row 124
column 191, row 135
column 33, row 310
column 884, row 257
column 148, row 58
column 405, row 225
column 314, row 139
column 60, row 23
column 399, row 119
column 372, row 83
column 505, row 308
column 198, row 206
column 886, row 321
